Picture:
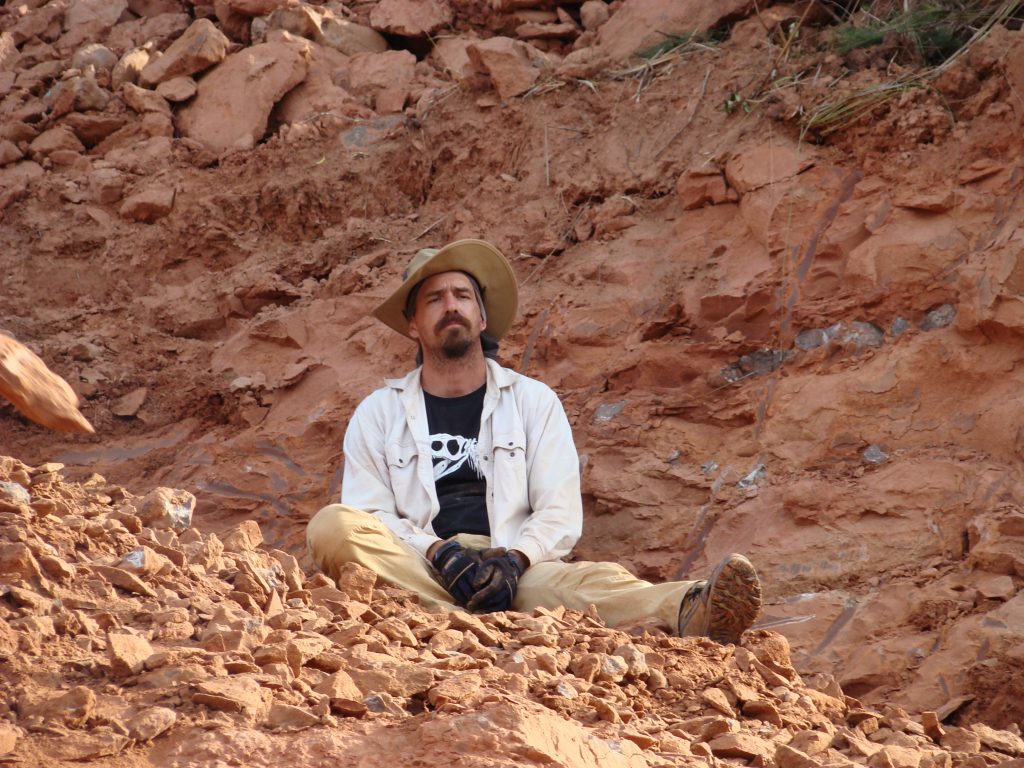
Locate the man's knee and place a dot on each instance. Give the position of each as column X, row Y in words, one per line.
column 334, row 529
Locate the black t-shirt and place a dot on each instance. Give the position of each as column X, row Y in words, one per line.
column 454, row 424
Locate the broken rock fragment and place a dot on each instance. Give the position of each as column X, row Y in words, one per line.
column 411, row 18
column 233, row 102
column 88, row 746
column 129, row 67
column 177, row 89
column 241, row 695
column 245, row 538
column 508, row 63
column 594, row 13
column 350, row 38
column 639, row 24
column 129, row 405
column 202, row 46
column 143, row 562
column 143, row 101
column 36, row 391
column 9, row 152
column 357, row 582
column 56, row 139
column 96, row 55
column 150, row 723
column 9, row 735
column 92, row 129
column 72, row 709
column 290, row 718
column 148, row 206
column 167, row 508
column 255, row 8
column 128, row 652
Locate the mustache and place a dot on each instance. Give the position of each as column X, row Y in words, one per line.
column 449, row 318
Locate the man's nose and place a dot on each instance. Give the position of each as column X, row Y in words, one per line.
column 451, row 303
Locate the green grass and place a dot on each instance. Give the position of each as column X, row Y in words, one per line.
column 681, row 41
column 670, row 43
column 929, row 32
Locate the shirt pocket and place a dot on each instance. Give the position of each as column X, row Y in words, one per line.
column 402, row 459
column 510, row 456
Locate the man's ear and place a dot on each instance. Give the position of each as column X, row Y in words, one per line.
column 413, row 330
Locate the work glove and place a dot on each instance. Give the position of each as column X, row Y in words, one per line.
column 457, row 567
column 496, row 581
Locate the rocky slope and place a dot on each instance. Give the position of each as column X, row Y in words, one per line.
column 804, row 349
column 178, row 648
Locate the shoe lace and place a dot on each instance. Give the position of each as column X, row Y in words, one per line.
column 691, row 597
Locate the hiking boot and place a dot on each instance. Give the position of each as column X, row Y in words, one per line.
column 725, row 606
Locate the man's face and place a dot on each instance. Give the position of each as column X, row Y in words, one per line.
column 447, row 321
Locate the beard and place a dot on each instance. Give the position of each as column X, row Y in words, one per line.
column 456, row 346
column 457, row 340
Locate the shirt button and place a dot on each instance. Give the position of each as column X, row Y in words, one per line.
column 510, row 445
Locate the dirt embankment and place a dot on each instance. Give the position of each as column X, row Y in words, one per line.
column 805, row 350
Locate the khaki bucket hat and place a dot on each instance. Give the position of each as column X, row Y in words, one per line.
column 482, row 260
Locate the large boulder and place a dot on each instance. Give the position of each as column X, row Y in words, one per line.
column 233, row 102
column 411, row 18
column 317, row 93
column 202, row 46
column 639, row 24
column 36, row 391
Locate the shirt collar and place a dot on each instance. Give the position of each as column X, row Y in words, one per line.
column 410, row 383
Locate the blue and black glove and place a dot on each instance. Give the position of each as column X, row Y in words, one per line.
column 457, row 567
column 496, row 581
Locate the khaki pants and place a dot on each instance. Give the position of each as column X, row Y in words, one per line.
column 338, row 534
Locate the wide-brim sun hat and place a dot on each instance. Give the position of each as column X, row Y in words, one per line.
column 482, row 260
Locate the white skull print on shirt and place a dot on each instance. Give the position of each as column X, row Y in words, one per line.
column 451, row 452
column 459, row 481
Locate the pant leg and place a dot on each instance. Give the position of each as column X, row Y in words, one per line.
column 338, row 534
column 617, row 594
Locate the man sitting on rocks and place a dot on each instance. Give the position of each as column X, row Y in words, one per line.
column 462, row 481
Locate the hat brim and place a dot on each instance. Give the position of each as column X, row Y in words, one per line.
column 484, row 262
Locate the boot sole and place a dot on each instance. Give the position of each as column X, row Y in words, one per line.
column 734, row 602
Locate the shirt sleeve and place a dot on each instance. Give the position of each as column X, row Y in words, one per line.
column 366, row 482
column 553, row 478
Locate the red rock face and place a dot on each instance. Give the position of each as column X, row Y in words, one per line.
column 800, row 347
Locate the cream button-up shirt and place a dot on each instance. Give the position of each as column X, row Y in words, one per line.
column 526, row 453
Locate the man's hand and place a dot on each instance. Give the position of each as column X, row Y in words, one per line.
column 497, row 580
column 457, row 566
